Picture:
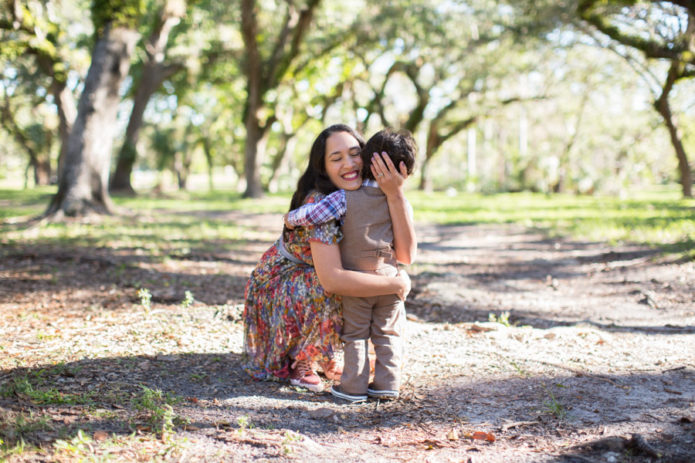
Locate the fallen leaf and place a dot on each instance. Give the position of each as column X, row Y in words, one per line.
column 100, row 436
column 482, row 435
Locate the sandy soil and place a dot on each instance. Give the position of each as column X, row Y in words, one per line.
column 520, row 348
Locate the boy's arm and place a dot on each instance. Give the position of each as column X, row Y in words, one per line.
column 332, row 207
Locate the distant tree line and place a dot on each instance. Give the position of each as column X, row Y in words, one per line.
column 516, row 95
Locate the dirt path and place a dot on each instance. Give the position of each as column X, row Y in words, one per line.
column 520, row 348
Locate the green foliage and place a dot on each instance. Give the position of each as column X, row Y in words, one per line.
column 502, row 319
column 157, row 406
column 553, row 405
column 78, row 445
column 118, row 13
column 32, row 389
column 187, row 300
column 145, row 298
column 15, row 431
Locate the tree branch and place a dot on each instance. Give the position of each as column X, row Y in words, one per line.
column 650, row 48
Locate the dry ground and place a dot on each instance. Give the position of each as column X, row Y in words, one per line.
column 520, row 348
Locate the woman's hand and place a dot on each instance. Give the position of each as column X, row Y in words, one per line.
column 405, row 280
column 389, row 179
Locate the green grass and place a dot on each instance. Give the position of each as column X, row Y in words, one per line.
column 167, row 225
column 656, row 218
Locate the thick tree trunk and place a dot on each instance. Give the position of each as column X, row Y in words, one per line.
column 263, row 75
column 154, row 73
column 83, row 184
column 254, row 100
column 664, row 108
column 686, row 179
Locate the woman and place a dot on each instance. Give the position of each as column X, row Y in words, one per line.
column 292, row 314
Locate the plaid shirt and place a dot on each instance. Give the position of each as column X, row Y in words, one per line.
column 332, row 207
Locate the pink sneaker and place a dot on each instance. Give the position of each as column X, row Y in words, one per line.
column 302, row 375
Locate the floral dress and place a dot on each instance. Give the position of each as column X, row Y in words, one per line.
column 287, row 314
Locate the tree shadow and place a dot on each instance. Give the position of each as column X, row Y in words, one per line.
column 211, row 391
column 46, row 269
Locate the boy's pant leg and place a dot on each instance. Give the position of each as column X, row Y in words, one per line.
column 386, row 334
column 357, row 316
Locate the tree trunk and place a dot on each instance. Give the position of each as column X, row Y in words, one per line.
column 67, row 111
column 154, row 73
column 207, row 150
column 254, row 134
column 42, row 172
column 262, row 76
column 83, row 184
column 664, row 108
column 287, row 143
column 254, row 100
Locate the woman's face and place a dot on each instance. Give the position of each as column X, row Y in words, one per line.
column 343, row 161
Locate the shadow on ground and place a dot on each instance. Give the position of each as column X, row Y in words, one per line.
column 209, row 393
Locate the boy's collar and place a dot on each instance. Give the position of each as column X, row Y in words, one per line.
column 370, row 182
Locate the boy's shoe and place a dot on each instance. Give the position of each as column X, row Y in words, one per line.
column 353, row 398
column 302, row 375
column 381, row 393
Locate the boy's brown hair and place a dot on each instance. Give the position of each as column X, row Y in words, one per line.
column 398, row 144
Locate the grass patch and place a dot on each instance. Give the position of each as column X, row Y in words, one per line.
column 32, row 390
column 156, row 408
column 173, row 225
column 659, row 218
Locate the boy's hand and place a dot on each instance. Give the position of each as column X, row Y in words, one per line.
column 389, row 179
column 287, row 224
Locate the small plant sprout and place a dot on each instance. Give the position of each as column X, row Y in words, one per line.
column 145, row 298
column 244, row 424
column 156, row 405
column 553, row 406
column 502, row 319
column 187, row 300
column 289, row 438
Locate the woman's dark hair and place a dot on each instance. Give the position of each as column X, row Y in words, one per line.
column 398, row 144
column 315, row 177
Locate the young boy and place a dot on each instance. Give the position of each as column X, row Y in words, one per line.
column 367, row 246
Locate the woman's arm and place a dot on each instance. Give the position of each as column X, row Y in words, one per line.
column 336, row 280
column 391, row 181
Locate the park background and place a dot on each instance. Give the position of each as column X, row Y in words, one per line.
column 149, row 148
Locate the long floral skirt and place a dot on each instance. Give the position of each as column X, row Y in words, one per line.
column 287, row 316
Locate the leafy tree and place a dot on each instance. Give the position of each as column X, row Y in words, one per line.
column 450, row 65
column 34, row 39
column 152, row 73
column 660, row 31
column 83, row 185
column 267, row 59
